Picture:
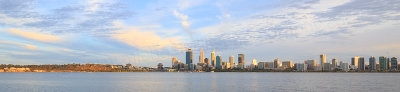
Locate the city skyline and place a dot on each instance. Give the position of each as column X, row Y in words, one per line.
column 146, row 33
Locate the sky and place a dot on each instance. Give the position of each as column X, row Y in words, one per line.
column 148, row 32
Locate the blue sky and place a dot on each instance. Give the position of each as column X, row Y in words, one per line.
column 148, row 32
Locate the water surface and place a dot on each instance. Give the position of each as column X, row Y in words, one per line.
column 199, row 82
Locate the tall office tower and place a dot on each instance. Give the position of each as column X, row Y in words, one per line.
column 276, row 63
column 253, row 64
column 231, row 61
column 361, row 64
column 207, row 61
column 382, row 63
column 241, row 60
column 218, row 62
column 201, row 57
column 388, row 63
column 354, row 61
column 372, row 63
column 322, row 61
column 174, row 62
column 213, row 58
column 394, row 63
column 189, row 58
column 334, row 63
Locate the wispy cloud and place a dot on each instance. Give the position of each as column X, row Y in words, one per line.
column 22, row 45
column 185, row 23
column 144, row 39
column 35, row 36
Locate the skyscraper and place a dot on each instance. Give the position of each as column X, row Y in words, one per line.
column 372, row 63
column 334, row 63
column 241, row 60
column 218, row 62
column 189, row 58
column 382, row 63
column 253, row 64
column 388, row 65
column 322, row 61
column 276, row 63
column 361, row 64
column 201, row 57
column 174, row 62
column 231, row 61
column 354, row 61
column 213, row 58
column 207, row 61
column 393, row 63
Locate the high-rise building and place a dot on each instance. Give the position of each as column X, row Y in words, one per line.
column 201, row 57
column 354, row 61
column 287, row 64
column 361, row 64
column 241, row 61
column 382, row 63
column 276, row 63
column 389, row 64
column 311, row 64
column 174, row 62
column 189, row 58
column 253, row 64
column 207, row 61
column 372, row 63
column 231, row 61
column 213, row 58
column 327, row 67
column 334, row 63
column 322, row 61
column 218, row 62
column 344, row 66
column 300, row 67
column 393, row 63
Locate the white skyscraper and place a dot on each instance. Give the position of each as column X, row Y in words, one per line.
column 201, row 58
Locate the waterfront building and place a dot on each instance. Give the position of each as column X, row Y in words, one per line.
column 241, row 61
column 344, row 66
column 322, row 61
column 189, row 58
column 372, row 63
column 276, row 63
column 261, row 65
column 389, row 64
column 228, row 65
column 361, row 64
column 311, row 64
column 201, row 57
column 354, row 62
column 327, row 67
column 213, row 63
column 382, row 63
column 334, row 63
column 253, row 64
column 207, row 61
column 218, row 62
column 231, row 61
column 394, row 63
column 300, row 67
column 174, row 62
column 269, row 65
column 287, row 64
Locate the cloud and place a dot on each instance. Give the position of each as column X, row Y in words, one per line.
column 184, row 19
column 35, row 36
column 144, row 40
column 22, row 45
